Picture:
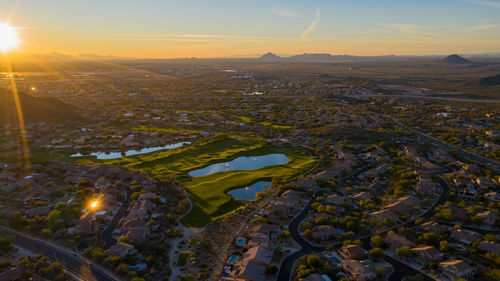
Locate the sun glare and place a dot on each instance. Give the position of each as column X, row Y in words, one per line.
column 8, row 37
column 94, row 204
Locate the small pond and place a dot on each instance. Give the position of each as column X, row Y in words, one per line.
column 249, row 192
column 242, row 163
column 116, row 155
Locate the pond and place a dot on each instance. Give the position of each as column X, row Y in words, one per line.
column 116, row 155
column 249, row 192
column 242, row 163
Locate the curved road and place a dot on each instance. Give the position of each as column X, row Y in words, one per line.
column 400, row 269
column 73, row 263
column 106, row 234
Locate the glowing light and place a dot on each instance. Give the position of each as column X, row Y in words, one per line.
column 94, row 204
column 8, row 37
column 33, row 89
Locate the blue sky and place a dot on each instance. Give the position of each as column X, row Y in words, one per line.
column 225, row 28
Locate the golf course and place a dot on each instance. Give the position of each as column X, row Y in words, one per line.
column 208, row 193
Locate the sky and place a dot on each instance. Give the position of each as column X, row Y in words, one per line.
column 226, row 28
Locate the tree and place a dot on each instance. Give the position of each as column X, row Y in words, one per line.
column 55, row 220
column 381, row 271
column 443, row 246
column 271, row 269
column 314, row 261
column 430, row 238
column 376, row 253
column 122, row 269
column 378, row 242
column 5, row 245
column 404, row 251
column 5, row 263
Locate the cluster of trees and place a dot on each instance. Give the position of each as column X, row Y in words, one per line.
column 42, row 266
column 313, row 264
column 58, row 219
column 5, row 245
column 119, row 266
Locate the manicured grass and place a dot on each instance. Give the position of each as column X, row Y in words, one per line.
column 208, row 193
column 183, row 259
column 275, row 126
column 166, row 130
column 243, row 119
column 180, row 161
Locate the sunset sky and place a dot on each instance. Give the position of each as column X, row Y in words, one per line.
column 216, row 28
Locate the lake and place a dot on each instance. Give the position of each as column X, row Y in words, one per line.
column 116, row 155
column 250, row 192
column 242, row 163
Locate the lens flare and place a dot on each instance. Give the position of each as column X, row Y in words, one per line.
column 8, row 37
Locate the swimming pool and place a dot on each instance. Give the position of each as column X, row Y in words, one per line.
column 233, row 259
column 334, row 260
column 240, row 242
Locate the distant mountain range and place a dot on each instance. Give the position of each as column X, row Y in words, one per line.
column 485, row 81
column 34, row 109
column 451, row 59
column 455, row 59
column 306, row 57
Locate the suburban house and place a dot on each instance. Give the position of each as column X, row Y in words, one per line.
column 396, row 241
column 250, row 271
column 488, row 217
column 324, row 232
column 492, row 197
column 259, row 240
column 122, row 250
column 353, row 252
column 489, row 247
column 464, row 236
column 306, row 183
column 360, row 270
column 138, row 234
column 485, row 182
column 426, row 254
column 457, row 269
column 264, row 229
column 258, row 255
column 362, row 196
column 432, row 226
column 290, row 198
column 383, row 214
column 425, row 185
column 334, row 199
column 404, row 205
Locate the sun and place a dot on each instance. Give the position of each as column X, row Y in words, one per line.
column 8, row 37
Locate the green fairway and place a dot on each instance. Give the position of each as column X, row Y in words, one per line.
column 180, row 161
column 208, row 193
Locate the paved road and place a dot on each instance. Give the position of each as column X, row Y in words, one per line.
column 467, row 155
column 106, row 234
column 73, row 262
column 433, row 98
